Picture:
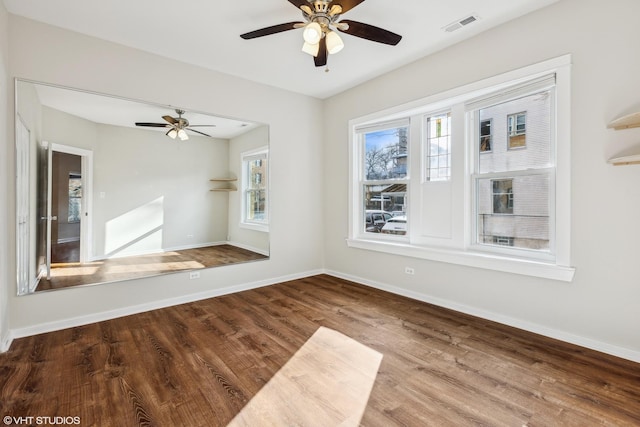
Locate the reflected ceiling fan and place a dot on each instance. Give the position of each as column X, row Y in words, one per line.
column 321, row 20
column 177, row 126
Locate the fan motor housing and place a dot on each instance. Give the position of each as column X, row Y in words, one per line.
column 321, row 6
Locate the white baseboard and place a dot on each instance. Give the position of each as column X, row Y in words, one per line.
column 5, row 341
column 157, row 251
column 154, row 305
column 603, row 347
column 581, row 341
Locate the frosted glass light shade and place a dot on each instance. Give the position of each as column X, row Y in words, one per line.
column 311, row 49
column 312, row 33
column 334, row 42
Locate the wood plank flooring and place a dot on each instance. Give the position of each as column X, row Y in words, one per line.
column 199, row 364
column 64, row 275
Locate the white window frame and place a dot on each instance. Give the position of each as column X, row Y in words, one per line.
column 245, row 158
column 458, row 248
column 362, row 181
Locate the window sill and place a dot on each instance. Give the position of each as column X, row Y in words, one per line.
column 255, row 227
column 471, row 259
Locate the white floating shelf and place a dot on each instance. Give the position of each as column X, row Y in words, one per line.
column 626, row 122
column 226, row 186
column 633, row 159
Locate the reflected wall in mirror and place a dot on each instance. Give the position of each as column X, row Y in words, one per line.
column 111, row 189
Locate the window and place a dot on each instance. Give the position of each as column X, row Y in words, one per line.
column 503, row 196
column 384, row 176
column 75, row 197
column 485, row 136
column 255, row 188
column 516, row 128
column 503, row 241
column 485, row 198
column 438, row 147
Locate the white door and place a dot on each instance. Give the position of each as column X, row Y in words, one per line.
column 22, row 208
column 49, row 199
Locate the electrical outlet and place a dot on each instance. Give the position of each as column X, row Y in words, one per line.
column 409, row 270
column 194, row 275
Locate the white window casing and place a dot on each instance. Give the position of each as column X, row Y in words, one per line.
column 248, row 219
column 442, row 215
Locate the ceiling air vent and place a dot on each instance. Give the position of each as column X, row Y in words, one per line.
column 460, row 23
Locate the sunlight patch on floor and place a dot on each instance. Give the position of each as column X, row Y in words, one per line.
column 326, row 383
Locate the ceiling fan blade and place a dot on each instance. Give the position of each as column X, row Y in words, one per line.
column 270, row 30
column 346, row 4
column 201, row 126
column 321, row 58
column 298, row 3
column 152, row 125
column 370, row 32
column 197, row 131
column 170, row 119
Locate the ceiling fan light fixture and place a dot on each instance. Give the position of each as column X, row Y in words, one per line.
column 312, row 33
column 311, row 49
column 334, row 42
column 182, row 134
column 172, row 133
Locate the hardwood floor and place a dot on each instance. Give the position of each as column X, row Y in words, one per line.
column 200, row 364
column 64, row 275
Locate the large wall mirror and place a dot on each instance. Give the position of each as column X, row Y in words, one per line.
column 111, row 189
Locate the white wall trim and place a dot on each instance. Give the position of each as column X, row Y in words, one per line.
column 589, row 343
column 484, row 260
column 5, row 341
column 141, row 308
column 157, row 251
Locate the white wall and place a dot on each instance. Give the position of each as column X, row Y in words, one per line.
column 600, row 307
column 5, row 272
column 49, row 54
column 156, row 192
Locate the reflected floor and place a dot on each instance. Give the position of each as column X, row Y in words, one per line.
column 64, row 275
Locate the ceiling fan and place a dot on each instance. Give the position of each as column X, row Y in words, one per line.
column 321, row 19
column 177, row 126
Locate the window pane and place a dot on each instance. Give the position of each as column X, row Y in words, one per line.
column 485, row 136
column 385, row 153
column 520, row 134
column 256, row 205
column 381, row 202
column 255, row 187
column 514, row 212
column 75, row 197
column 438, row 147
column 257, row 177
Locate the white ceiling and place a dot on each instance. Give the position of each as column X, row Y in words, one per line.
column 123, row 112
column 207, row 33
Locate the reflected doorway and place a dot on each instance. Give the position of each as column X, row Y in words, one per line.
column 64, row 185
column 66, row 207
